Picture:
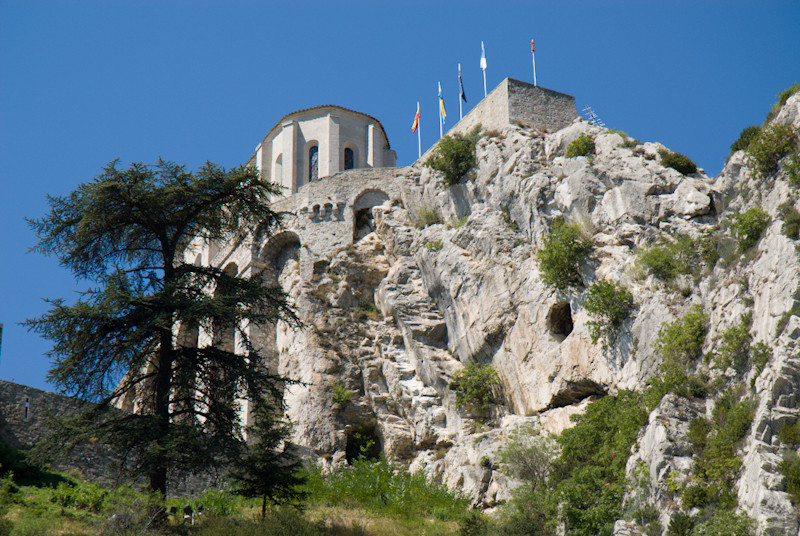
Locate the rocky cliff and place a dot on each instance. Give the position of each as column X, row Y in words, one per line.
column 442, row 277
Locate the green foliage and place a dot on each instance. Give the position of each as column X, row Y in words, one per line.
column 677, row 161
column 378, row 486
column 476, row 386
column 454, row 156
column 528, row 456
column 609, row 305
column 427, row 215
column 766, row 150
column 529, row 513
column 791, row 220
column 726, row 523
column 749, row 226
column 735, row 349
column 760, row 354
column 789, row 434
column 783, row 96
column 583, row 145
column 342, row 395
column 82, row 495
column 455, row 223
column 791, row 167
column 717, row 463
column 267, row 470
column 474, row 523
column 745, row 137
column 790, row 469
column 366, row 304
column 682, row 340
column 589, row 475
column 680, row 524
column 433, row 245
column 128, row 231
column 562, row 254
column 672, row 378
column 679, row 255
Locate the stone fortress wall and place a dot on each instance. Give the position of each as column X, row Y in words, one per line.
column 321, row 218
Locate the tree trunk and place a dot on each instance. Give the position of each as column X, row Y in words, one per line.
column 163, row 384
column 263, row 507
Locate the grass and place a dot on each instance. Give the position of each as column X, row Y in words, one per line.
column 427, row 215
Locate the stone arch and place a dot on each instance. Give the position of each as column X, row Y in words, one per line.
column 278, row 250
column 362, row 211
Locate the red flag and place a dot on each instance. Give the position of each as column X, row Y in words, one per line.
column 531, row 45
column 415, row 125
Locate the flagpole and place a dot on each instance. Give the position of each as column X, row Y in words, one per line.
column 533, row 57
column 439, row 105
column 483, row 67
column 419, row 138
column 460, row 116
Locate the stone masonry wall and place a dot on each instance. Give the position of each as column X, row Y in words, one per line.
column 540, row 107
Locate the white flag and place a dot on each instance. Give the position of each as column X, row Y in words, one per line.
column 483, row 57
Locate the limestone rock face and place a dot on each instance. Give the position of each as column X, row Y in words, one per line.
column 436, row 278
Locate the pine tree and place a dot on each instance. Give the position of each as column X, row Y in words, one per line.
column 134, row 233
column 267, row 471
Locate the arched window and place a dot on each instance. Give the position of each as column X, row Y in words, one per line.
column 348, row 159
column 313, row 163
column 278, row 174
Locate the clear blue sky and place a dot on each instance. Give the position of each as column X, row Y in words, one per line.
column 84, row 82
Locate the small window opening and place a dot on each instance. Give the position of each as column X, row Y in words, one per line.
column 348, row 159
column 313, row 163
column 559, row 319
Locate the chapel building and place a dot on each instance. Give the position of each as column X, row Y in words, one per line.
column 317, row 142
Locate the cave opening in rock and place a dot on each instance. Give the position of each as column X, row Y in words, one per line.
column 363, row 442
column 559, row 319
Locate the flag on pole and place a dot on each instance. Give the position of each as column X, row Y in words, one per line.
column 533, row 59
column 415, row 125
column 441, row 102
column 531, row 45
column 461, row 86
column 483, row 57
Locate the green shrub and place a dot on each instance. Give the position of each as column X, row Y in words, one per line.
column 81, row 496
column 773, row 143
column 791, row 220
column 749, row 226
column 672, row 378
column 608, row 304
column 783, row 96
column 562, row 254
column 378, row 486
column 455, row 223
column 745, row 137
column 589, row 475
column 760, row 354
column 454, row 156
column 789, row 434
column 680, row 524
column 679, row 255
column 682, row 340
column 677, row 161
column 726, row 523
column 528, row 455
column 342, row 395
column 735, row 349
column 285, row 521
column 791, row 167
column 476, row 386
column 790, row 469
column 583, row 145
column 699, row 429
column 433, row 245
column 427, row 215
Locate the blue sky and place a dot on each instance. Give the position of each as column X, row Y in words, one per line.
column 85, row 82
